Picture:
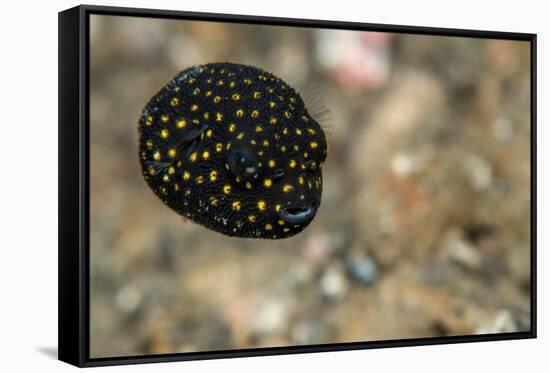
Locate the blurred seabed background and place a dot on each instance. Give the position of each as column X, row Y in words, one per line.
column 424, row 226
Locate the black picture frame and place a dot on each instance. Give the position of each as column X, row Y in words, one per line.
column 74, row 191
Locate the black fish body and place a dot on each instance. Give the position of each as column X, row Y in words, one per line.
column 233, row 148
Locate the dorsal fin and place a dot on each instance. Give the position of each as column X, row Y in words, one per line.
column 315, row 106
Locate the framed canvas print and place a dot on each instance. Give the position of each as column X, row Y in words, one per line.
column 233, row 186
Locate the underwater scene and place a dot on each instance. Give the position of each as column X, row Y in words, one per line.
column 266, row 186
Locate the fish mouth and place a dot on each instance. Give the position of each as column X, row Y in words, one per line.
column 298, row 214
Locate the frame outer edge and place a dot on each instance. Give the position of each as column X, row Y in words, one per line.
column 534, row 185
column 69, row 248
column 74, row 185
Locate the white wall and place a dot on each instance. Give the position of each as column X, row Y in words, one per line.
column 28, row 198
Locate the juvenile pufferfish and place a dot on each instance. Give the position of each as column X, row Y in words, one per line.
column 233, row 148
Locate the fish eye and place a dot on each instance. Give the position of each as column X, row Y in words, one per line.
column 243, row 164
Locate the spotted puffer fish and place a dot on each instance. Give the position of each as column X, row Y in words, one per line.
column 233, row 148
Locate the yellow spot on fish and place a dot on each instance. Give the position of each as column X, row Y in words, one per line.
column 205, row 155
column 208, row 93
column 199, row 179
column 196, row 91
column 287, row 114
column 220, row 82
column 219, row 147
column 194, row 107
column 219, row 117
column 271, row 163
column 156, row 156
column 181, row 123
column 149, row 120
column 164, row 118
column 313, row 144
column 213, row 175
column 186, row 175
column 272, row 104
column 239, row 113
column 149, row 144
column 283, row 148
column 217, row 99
column 152, row 170
column 287, row 188
column 171, row 170
column 192, row 80
column 251, row 218
column 261, row 205
column 256, row 95
column 311, row 131
column 268, row 227
column 259, row 129
column 206, row 115
column 232, row 127
column 236, row 97
column 277, row 208
column 166, row 178
column 227, row 189
column 240, row 135
column 172, row 153
column 236, row 205
column 298, row 131
column 292, row 163
column 265, row 143
column 286, row 229
column 247, row 81
column 255, row 114
column 232, row 84
column 193, row 157
column 209, row 133
column 176, row 187
column 267, row 183
column 272, row 120
column 248, row 185
column 213, row 201
column 164, row 133
column 281, row 222
column 175, row 101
